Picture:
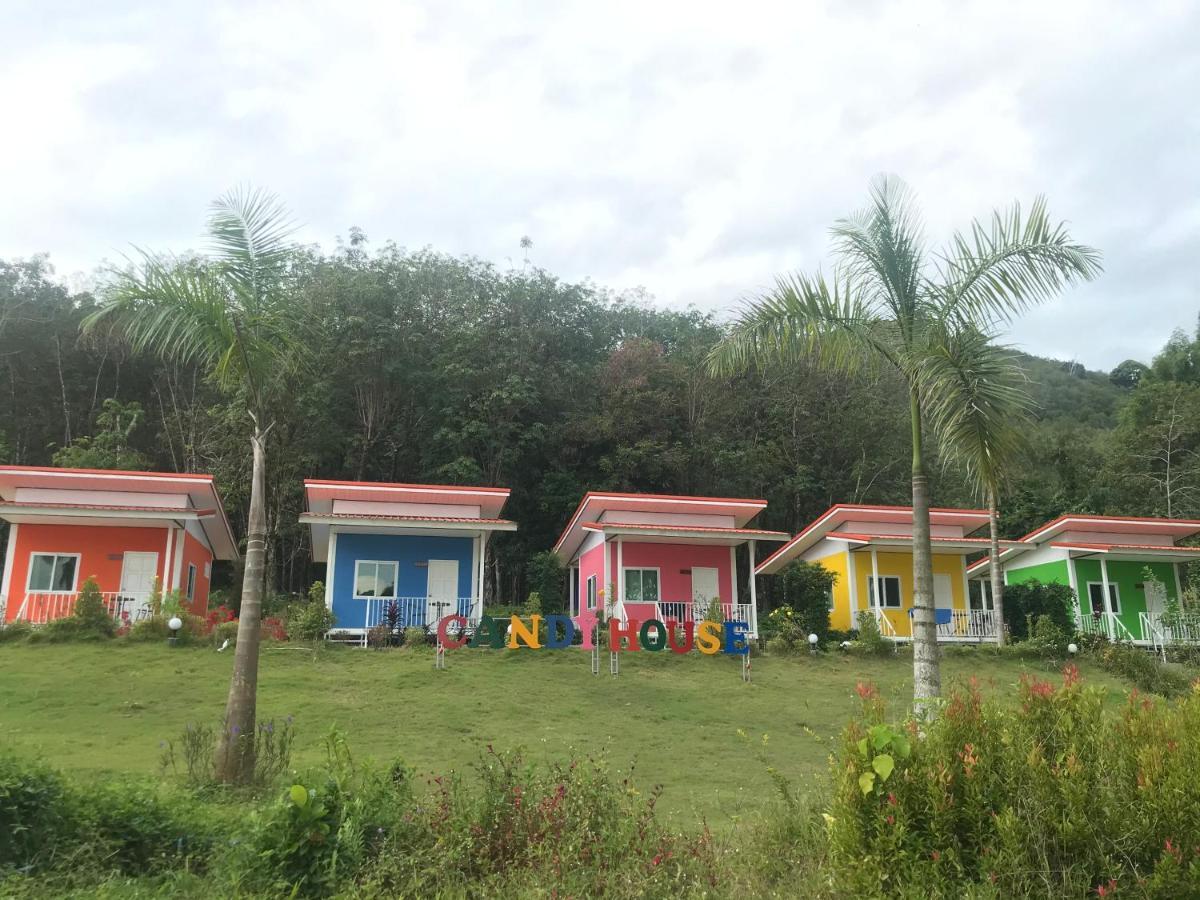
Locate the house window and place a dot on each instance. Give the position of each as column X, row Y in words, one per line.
column 641, row 586
column 591, row 592
column 53, row 573
column 828, row 595
column 981, row 595
column 1096, row 595
column 374, row 579
column 889, row 589
column 191, row 583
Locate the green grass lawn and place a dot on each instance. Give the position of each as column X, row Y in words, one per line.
column 106, row 707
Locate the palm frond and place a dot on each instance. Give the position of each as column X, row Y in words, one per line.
column 251, row 232
column 803, row 318
column 974, row 398
column 995, row 272
column 883, row 246
column 169, row 308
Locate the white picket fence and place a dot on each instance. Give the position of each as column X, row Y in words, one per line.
column 40, row 608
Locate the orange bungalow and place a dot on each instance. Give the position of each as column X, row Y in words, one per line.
column 124, row 529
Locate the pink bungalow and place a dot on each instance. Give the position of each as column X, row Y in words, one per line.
column 124, row 529
column 666, row 557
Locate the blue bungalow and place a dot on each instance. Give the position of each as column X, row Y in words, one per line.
column 419, row 546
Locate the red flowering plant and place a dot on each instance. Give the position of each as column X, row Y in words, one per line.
column 218, row 616
column 274, row 629
column 1027, row 798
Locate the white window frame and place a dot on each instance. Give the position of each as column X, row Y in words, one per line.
column 29, row 572
column 640, row 569
column 378, row 562
column 985, row 594
column 872, row 591
column 1114, row 597
column 191, row 581
column 591, row 591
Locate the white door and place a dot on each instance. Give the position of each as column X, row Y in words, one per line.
column 442, row 595
column 704, row 589
column 138, row 571
column 1156, row 597
column 943, row 592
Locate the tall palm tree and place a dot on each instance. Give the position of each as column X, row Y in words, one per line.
column 980, row 411
column 231, row 314
column 886, row 304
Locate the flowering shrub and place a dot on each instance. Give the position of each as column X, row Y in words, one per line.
column 1050, row 797
column 218, row 616
column 274, row 629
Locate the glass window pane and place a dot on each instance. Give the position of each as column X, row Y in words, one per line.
column 41, row 569
column 633, row 585
column 1096, row 595
column 364, row 580
column 386, row 580
column 891, row 588
column 64, row 573
column 649, row 586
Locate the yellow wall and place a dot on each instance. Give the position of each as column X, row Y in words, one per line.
column 894, row 564
column 839, row 618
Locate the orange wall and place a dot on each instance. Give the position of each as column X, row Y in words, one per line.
column 197, row 554
column 101, row 550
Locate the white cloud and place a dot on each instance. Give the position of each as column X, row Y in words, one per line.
column 695, row 149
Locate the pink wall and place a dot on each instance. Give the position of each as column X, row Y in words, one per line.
column 669, row 559
column 591, row 563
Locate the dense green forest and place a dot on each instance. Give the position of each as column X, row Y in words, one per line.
column 442, row 369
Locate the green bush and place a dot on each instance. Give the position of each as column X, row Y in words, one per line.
column 870, row 639
column 224, row 631
column 415, row 637
column 91, row 617
column 1048, row 798
column 806, row 588
column 17, row 630
column 1141, row 668
column 152, row 628
column 546, row 577
column 1026, row 602
column 36, row 815
column 312, row 619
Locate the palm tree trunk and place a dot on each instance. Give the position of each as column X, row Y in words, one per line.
column 235, row 752
column 927, row 676
column 997, row 574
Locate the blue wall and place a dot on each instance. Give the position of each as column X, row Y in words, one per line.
column 407, row 550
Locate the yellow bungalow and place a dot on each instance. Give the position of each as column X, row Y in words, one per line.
column 869, row 548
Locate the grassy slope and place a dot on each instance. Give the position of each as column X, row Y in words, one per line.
column 89, row 707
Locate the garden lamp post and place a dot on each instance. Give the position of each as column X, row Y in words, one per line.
column 812, row 644
column 1072, row 649
column 174, row 624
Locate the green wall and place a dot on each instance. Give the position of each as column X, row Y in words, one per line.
column 1045, row 573
column 1126, row 575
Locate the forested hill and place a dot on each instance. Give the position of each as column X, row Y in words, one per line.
column 433, row 368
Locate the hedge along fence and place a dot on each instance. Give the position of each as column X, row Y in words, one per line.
column 1052, row 797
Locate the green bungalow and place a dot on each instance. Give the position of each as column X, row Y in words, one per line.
column 1125, row 573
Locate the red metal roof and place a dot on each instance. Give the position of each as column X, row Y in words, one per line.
column 396, row 485
column 1104, row 547
column 123, row 472
column 742, row 509
column 866, row 538
column 390, row 518
column 105, row 507
column 650, row 526
column 1130, row 524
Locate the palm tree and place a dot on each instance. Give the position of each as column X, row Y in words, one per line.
column 980, row 411
column 230, row 314
column 887, row 304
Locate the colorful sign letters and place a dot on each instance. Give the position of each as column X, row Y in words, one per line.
column 653, row 635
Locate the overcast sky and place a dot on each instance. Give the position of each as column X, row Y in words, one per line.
column 691, row 149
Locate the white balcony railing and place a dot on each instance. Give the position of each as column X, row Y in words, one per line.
column 1160, row 631
column 411, row 612
column 39, row 608
column 1104, row 624
column 968, row 625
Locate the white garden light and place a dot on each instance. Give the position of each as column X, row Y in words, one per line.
column 812, row 643
column 175, row 623
column 1072, row 649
